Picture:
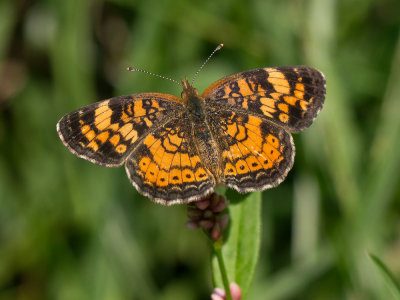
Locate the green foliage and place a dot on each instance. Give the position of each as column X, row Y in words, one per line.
column 391, row 282
column 73, row 230
column 241, row 247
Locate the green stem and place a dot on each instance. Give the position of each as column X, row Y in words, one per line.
column 217, row 246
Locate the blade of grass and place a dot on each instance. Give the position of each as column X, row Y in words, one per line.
column 337, row 131
column 295, row 279
column 390, row 280
column 383, row 176
column 342, row 140
column 7, row 20
column 306, row 215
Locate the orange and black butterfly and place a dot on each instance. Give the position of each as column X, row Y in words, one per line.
column 176, row 150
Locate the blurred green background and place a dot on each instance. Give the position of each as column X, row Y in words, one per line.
column 72, row 230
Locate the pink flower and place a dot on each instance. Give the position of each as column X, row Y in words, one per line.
column 219, row 294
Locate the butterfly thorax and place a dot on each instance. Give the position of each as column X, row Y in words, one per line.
column 194, row 103
column 200, row 129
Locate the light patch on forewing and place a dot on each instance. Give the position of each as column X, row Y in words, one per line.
column 103, row 136
column 115, row 139
column 128, row 133
column 290, row 100
column 244, row 88
column 275, row 96
column 93, row 145
column 85, row 129
column 90, row 135
column 283, row 107
column 279, row 81
column 300, row 86
column 121, row 148
column 138, row 109
column 299, row 94
column 273, row 72
column 304, row 104
column 284, row 118
column 103, row 116
column 268, row 107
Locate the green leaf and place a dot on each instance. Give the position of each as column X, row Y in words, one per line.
column 242, row 241
column 390, row 280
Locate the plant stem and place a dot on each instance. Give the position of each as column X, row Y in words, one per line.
column 217, row 246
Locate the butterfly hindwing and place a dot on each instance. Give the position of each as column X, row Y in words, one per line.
column 256, row 154
column 167, row 168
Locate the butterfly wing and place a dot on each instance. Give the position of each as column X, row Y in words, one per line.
column 106, row 132
column 287, row 96
column 167, row 168
column 256, row 154
column 255, row 111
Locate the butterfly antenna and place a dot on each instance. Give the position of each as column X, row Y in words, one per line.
column 132, row 69
column 208, row 58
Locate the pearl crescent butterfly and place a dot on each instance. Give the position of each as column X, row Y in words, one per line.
column 176, row 150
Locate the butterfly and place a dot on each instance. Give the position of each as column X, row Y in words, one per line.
column 176, row 150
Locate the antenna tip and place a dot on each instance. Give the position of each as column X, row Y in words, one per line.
column 219, row 46
column 131, row 69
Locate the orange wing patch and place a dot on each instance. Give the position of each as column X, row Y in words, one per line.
column 166, row 166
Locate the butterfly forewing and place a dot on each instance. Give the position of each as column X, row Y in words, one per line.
column 290, row 97
column 106, row 132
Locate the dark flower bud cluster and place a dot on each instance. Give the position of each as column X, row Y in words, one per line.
column 208, row 215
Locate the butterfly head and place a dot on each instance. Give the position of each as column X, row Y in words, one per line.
column 188, row 91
